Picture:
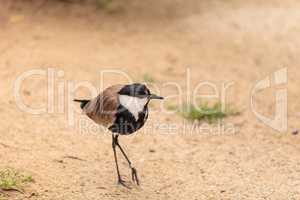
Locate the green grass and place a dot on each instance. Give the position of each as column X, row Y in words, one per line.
column 207, row 113
column 11, row 179
column 148, row 78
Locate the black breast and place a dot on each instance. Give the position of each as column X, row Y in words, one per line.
column 126, row 123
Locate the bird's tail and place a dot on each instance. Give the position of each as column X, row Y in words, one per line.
column 83, row 102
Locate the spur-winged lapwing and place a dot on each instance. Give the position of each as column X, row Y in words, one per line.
column 123, row 109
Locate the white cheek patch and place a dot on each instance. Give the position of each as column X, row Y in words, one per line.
column 135, row 105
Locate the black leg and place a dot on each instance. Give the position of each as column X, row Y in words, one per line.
column 133, row 170
column 120, row 181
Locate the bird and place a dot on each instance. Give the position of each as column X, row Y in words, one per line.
column 123, row 109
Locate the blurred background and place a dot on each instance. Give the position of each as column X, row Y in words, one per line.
column 155, row 42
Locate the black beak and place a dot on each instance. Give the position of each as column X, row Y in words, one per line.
column 154, row 96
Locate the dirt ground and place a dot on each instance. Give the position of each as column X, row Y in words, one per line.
column 218, row 41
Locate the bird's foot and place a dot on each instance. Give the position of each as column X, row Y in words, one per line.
column 134, row 176
column 122, row 182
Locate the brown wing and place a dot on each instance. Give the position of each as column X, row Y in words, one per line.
column 103, row 108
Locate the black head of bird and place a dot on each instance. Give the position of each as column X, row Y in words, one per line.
column 123, row 109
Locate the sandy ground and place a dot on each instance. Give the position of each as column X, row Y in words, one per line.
column 218, row 41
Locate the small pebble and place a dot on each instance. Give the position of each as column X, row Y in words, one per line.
column 151, row 150
column 295, row 132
